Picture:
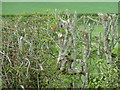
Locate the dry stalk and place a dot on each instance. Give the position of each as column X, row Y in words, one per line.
column 6, row 57
column 87, row 37
column 99, row 49
column 105, row 24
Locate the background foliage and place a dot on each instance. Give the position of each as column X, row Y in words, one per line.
column 25, row 46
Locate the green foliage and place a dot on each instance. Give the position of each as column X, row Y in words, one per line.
column 115, row 50
column 37, row 47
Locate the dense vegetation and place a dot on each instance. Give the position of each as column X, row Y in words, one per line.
column 33, row 45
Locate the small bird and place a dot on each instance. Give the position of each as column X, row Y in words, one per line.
column 54, row 27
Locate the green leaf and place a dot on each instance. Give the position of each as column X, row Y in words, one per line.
column 115, row 50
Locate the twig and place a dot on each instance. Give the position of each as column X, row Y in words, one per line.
column 6, row 56
column 93, row 19
column 51, row 37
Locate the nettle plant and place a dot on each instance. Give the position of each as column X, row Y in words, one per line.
column 75, row 44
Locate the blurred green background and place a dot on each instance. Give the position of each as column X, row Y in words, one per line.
column 17, row 8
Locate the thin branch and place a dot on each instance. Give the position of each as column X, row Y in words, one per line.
column 6, row 56
column 93, row 19
column 51, row 37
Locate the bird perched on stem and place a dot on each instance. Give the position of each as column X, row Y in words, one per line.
column 54, row 28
